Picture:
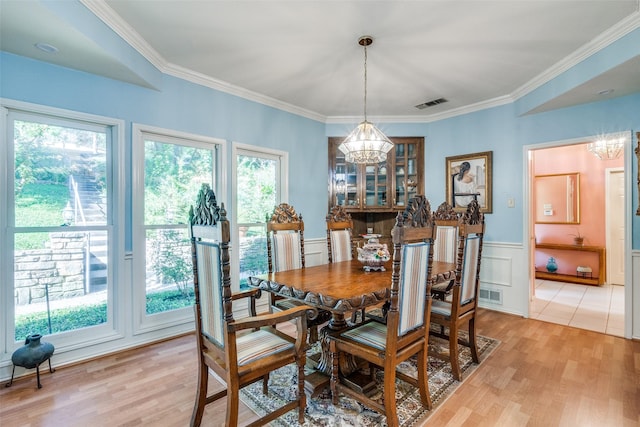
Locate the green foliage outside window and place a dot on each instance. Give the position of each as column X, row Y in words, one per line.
column 257, row 191
column 173, row 175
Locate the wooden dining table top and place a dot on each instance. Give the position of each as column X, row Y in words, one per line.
column 339, row 286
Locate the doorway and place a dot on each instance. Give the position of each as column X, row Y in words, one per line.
column 598, row 308
column 614, row 205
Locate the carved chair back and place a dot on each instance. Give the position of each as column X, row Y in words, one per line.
column 285, row 239
column 210, row 255
column 413, row 237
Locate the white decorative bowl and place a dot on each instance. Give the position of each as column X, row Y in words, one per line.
column 373, row 256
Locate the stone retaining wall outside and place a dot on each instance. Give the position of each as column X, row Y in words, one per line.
column 62, row 267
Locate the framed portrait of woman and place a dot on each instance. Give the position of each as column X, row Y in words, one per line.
column 468, row 177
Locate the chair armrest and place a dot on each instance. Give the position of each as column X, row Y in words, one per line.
column 253, row 294
column 250, row 293
column 270, row 319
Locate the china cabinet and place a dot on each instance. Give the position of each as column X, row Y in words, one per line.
column 374, row 193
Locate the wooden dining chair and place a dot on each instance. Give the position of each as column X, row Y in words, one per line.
column 340, row 245
column 461, row 308
column 405, row 333
column 240, row 351
column 285, row 251
column 446, row 246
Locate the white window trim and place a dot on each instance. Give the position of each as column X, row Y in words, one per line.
column 114, row 328
column 283, row 190
column 178, row 320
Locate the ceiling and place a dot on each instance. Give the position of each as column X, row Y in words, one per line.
column 304, row 55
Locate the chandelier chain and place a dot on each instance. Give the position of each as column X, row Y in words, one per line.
column 366, row 144
column 365, row 82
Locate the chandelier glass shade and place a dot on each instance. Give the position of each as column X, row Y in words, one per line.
column 366, row 144
column 607, row 148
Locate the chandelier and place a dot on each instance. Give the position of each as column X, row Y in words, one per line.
column 607, row 147
column 366, row 143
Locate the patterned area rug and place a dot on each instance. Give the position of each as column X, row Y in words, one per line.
column 349, row 412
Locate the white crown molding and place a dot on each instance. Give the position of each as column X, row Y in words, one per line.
column 201, row 79
column 614, row 33
column 107, row 15
column 129, row 35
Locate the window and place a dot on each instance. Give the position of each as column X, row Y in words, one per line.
column 171, row 167
column 259, row 186
column 58, row 210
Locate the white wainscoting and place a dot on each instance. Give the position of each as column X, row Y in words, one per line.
column 504, row 269
column 632, row 298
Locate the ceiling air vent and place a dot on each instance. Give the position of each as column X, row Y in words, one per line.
column 431, row 103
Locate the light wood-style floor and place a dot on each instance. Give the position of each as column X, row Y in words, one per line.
column 542, row 374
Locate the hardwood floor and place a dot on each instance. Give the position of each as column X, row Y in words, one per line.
column 542, row 374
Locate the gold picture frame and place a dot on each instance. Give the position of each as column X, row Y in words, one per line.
column 475, row 183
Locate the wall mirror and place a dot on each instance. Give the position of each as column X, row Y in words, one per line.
column 557, row 198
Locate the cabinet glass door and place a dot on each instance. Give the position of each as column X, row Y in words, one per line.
column 346, row 182
column 375, row 185
column 406, row 172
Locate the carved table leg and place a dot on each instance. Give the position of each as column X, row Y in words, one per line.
column 349, row 368
column 347, row 363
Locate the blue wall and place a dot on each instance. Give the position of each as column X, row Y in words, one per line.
column 188, row 107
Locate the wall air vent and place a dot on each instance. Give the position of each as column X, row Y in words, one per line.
column 431, row 103
column 493, row 296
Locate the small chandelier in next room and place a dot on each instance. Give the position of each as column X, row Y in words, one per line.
column 366, row 143
column 607, row 147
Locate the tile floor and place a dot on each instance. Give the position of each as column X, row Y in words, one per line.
column 596, row 308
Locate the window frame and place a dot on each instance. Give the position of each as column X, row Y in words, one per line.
column 179, row 320
column 282, row 190
column 113, row 328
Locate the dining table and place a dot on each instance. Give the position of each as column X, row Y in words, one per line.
column 341, row 288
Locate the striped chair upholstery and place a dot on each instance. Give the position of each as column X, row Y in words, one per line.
column 411, row 298
column 468, row 281
column 404, row 334
column 259, row 344
column 445, row 247
column 446, row 244
column 210, row 291
column 369, row 333
column 286, row 251
column 468, row 278
column 240, row 353
column 413, row 286
column 340, row 245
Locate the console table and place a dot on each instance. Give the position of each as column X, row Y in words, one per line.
column 595, row 281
